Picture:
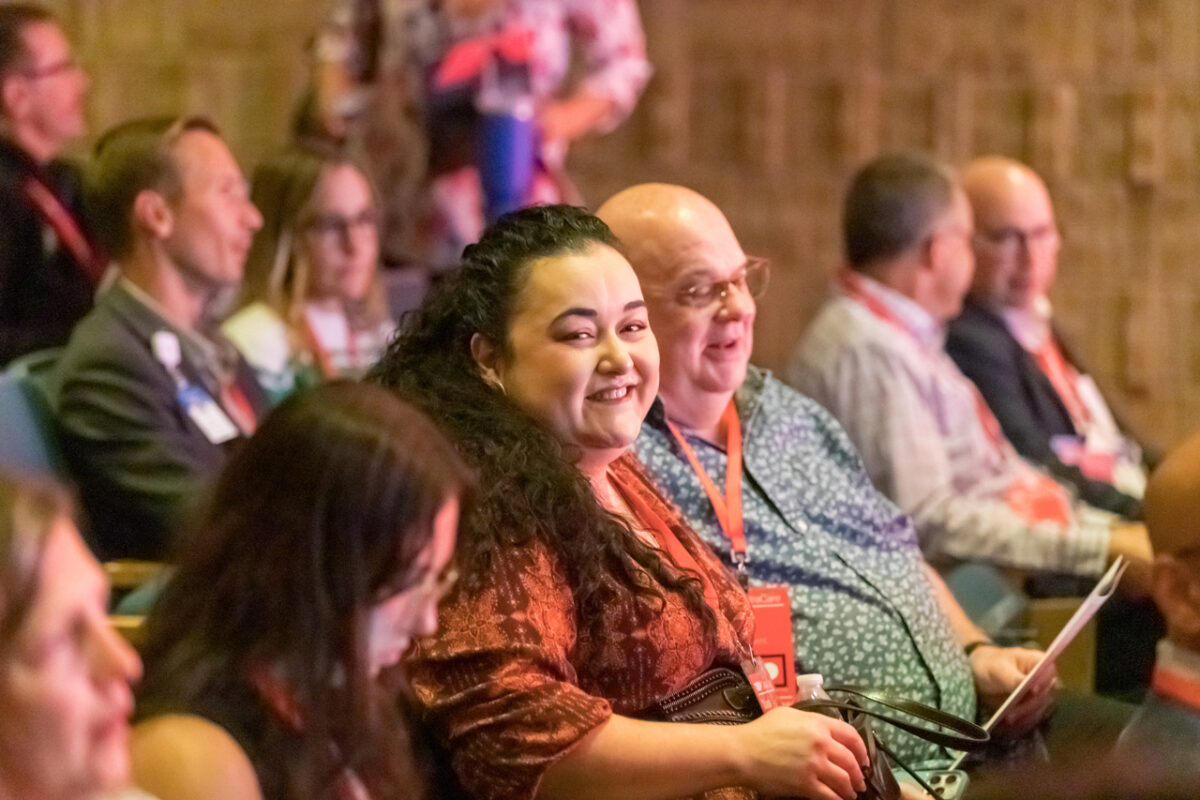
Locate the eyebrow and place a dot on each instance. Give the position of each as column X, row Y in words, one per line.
column 590, row 313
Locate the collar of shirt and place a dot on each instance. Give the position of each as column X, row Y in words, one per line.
column 197, row 348
column 1030, row 327
column 929, row 334
column 1178, row 660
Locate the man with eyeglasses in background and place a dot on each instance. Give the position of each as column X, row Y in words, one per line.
column 874, row 357
column 773, row 484
column 49, row 266
column 1005, row 342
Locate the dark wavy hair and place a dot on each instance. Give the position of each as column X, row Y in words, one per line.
column 529, row 486
column 317, row 518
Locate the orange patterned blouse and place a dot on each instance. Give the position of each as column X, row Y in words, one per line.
column 512, row 681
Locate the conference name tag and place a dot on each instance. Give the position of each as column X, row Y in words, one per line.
column 773, row 642
column 213, row 422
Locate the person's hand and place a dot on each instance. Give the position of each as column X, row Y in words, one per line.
column 910, row 791
column 997, row 671
column 1130, row 539
column 792, row 753
column 563, row 121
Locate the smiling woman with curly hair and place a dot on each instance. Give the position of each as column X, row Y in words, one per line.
column 585, row 599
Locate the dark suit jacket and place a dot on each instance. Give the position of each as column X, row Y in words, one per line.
column 43, row 291
column 1024, row 401
column 136, row 455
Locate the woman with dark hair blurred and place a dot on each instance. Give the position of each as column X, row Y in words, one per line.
column 312, row 306
column 323, row 552
column 586, row 600
column 64, row 672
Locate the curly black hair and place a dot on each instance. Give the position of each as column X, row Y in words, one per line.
column 529, row 489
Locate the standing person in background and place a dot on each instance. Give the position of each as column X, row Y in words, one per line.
column 1006, row 342
column 64, row 672
column 484, row 85
column 312, row 306
column 49, row 266
column 323, row 552
column 150, row 396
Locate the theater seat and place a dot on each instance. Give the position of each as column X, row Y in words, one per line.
column 28, row 438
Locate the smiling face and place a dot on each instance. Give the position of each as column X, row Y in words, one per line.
column 339, row 235
column 581, row 358
column 705, row 349
column 396, row 621
column 213, row 220
column 65, row 691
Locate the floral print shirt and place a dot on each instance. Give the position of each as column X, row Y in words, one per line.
column 863, row 611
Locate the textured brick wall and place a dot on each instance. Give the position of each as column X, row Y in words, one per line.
column 767, row 106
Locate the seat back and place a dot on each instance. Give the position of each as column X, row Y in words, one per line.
column 28, row 436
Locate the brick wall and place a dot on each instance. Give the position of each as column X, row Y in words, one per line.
column 767, row 106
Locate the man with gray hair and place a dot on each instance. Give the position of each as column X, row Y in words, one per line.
column 874, row 357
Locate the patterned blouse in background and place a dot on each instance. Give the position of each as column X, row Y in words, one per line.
column 513, row 680
column 385, row 42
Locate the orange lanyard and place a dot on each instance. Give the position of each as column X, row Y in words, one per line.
column 728, row 507
column 1179, row 687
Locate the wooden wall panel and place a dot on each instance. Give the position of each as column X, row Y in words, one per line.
column 768, row 106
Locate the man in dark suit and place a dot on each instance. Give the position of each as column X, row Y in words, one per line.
column 1005, row 342
column 150, row 397
column 49, row 267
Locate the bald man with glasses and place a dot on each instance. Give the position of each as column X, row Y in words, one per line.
column 1006, row 343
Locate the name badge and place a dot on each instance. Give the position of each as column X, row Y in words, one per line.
column 212, row 421
column 773, row 641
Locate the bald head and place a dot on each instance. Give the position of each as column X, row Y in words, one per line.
column 660, row 226
column 1016, row 242
column 679, row 242
column 1172, row 506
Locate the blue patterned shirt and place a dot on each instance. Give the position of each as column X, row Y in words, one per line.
column 863, row 611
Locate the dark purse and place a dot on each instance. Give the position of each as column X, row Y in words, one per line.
column 723, row 696
column 951, row 732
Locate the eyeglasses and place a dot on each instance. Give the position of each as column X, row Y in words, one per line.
column 329, row 225
column 751, row 279
column 68, row 64
column 1011, row 240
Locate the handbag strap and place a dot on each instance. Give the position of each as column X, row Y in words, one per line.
column 967, row 735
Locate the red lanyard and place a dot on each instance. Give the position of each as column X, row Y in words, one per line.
column 851, row 286
column 1063, row 378
column 1179, row 687
column 728, row 507
column 65, row 228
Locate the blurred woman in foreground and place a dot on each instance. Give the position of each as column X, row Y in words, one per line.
column 64, row 672
column 323, row 552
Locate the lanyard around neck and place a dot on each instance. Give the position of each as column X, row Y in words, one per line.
column 728, row 507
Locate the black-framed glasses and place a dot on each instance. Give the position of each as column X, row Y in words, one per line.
column 751, row 279
column 1011, row 240
column 329, row 225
